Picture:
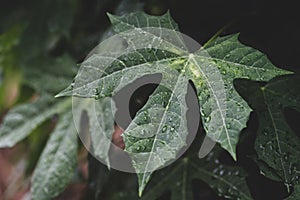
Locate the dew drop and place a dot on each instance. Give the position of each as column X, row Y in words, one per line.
column 207, row 119
column 96, row 97
column 96, row 91
column 221, row 173
column 236, row 173
column 286, row 157
column 266, row 133
column 270, row 145
column 215, row 170
column 228, row 125
column 297, row 179
column 220, row 190
column 164, row 129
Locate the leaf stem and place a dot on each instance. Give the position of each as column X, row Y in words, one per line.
column 217, row 34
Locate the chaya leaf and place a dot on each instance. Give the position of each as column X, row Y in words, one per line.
column 227, row 181
column 277, row 144
column 230, row 112
column 295, row 195
column 266, row 170
column 57, row 163
column 101, row 125
column 23, row 119
column 151, row 45
column 158, row 131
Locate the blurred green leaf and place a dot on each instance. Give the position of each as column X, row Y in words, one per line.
column 49, row 21
column 57, row 163
column 20, row 121
column 8, row 41
column 51, row 75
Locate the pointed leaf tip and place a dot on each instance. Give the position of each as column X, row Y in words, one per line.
column 140, row 193
column 111, row 17
column 233, row 154
column 66, row 92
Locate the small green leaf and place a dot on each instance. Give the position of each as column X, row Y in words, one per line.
column 277, row 144
column 227, row 181
column 23, row 119
column 57, row 163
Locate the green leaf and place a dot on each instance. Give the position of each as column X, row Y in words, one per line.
column 227, row 181
column 8, row 41
column 101, row 124
column 151, row 51
column 266, row 170
column 57, row 163
column 141, row 20
column 22, row 120
column 277, row 144
column 233, row 60
column 158, row 131
column 295, row 195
